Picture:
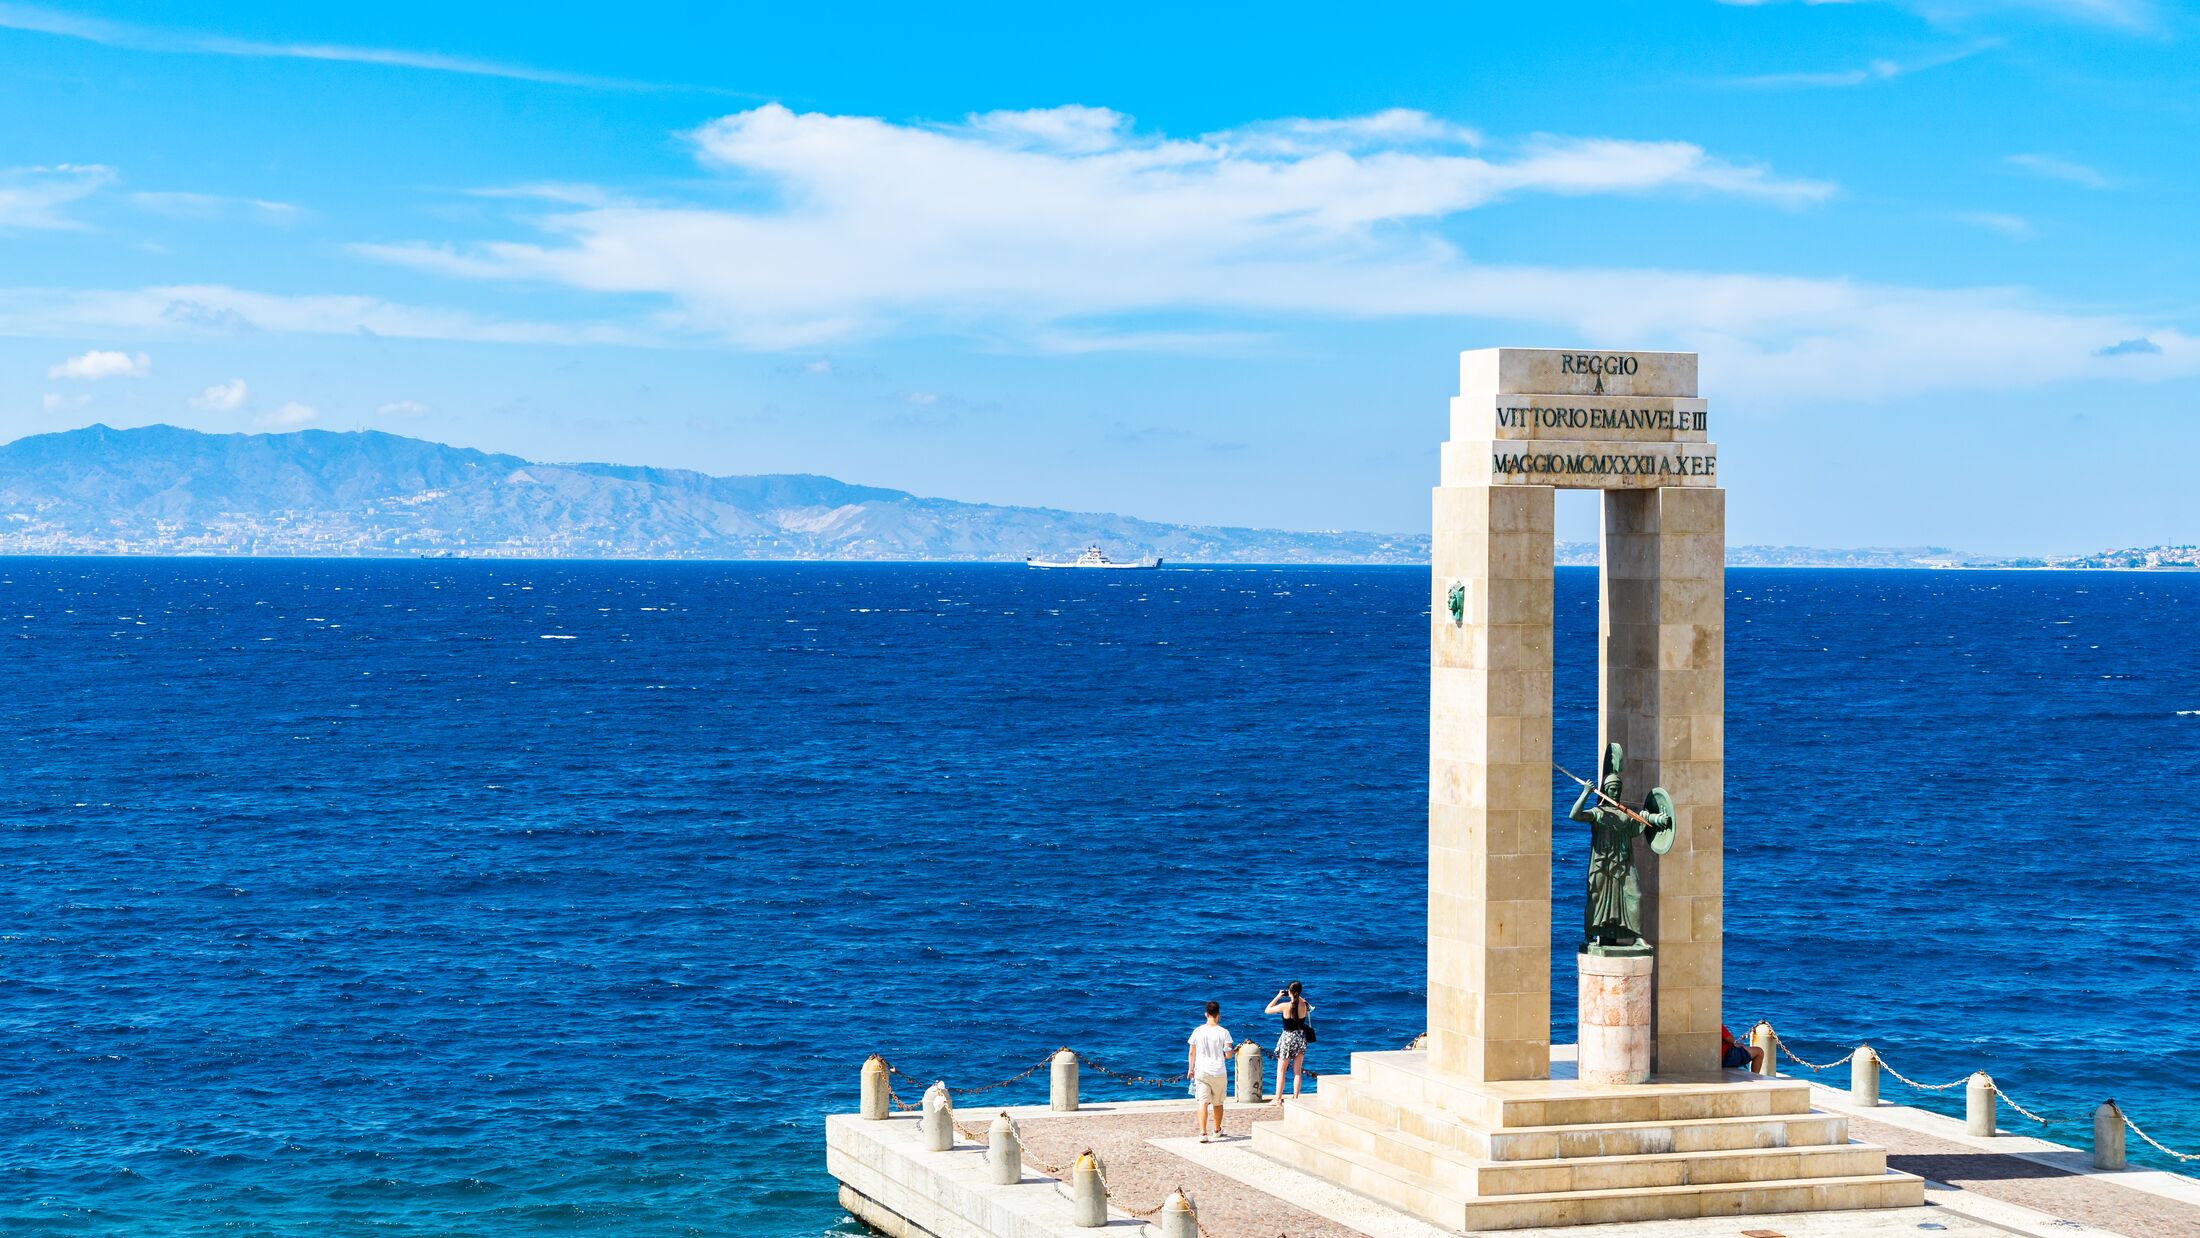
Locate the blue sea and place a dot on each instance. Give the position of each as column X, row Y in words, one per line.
column 500, row 898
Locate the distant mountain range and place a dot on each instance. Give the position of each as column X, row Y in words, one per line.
column 169, row 491
column 162, row 490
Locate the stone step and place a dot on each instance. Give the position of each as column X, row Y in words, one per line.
column 1434, row 1201
column 1479, row 1177
column 1890, row 1189
column 1404, row 1077
column 1363, row 1172
column 1523, row 1143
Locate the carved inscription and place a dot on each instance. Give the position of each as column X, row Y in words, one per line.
column 1664, row 420
column 1604, row 464
column 1615, row 363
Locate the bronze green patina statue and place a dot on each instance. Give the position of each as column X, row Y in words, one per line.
column 1612, row 921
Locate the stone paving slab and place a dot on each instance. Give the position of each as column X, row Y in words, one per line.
column 1242, row 1194
column 1141, row 1175
column 1150, row 1149
column 2076, row 1197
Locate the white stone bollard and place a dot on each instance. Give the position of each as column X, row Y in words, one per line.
column 1978, row 1105
column 2108, row 1136
column 939, row 1119
column 1614, row 1020
column 1004, row 1151
column 1763, row 1037
column 1864, row 1077
column 877, row 1092
column 1062, row 1082
column 1088, row 1196
column 1178, row 1218
column 1249, row 1071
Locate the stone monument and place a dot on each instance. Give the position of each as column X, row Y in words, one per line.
column 1487, row 1128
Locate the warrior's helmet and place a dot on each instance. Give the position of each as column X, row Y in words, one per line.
column 1613, row 760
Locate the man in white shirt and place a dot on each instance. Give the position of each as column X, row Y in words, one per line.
column 1209, row 1068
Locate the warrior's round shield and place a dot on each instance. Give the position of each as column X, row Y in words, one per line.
column 1659, row 808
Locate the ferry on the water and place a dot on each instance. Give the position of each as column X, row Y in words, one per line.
column 1094, row 557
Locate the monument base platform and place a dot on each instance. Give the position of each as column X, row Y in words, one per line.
column 1561, row 1151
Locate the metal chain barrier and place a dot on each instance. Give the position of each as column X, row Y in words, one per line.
column 1780, row 1042
column 1051, row 1171
column 894, row 1072
column 2026, row 1112
column 1102, row 1168
column 1036, row 1067
column 1922, row 1087
column 1999, row 1091
column 2152, row 1142
column 1141, row 1080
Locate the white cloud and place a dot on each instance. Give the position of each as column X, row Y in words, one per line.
column 199, row 309
column 97, row 364
column 34, row 197
column 1024, row 223
column 290, row 415
column 2128, row 14
column 215, row 206
column 1072, row 129
column 2059, row 169
column 1057, row 243
column 923, row 397
column 1876, row 70
column 1081, row 236
column 2015, row 227
column 1395, row 127
column 404, row 408
column 55, row 402
column 154, row 39
column 222, row 397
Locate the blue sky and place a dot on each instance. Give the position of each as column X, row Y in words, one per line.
column 1938, row 256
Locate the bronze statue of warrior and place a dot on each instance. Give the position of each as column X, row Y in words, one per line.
column 1612, row 921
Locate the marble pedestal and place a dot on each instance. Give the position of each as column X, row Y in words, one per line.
column 1516, row 1154
column 1614, row 1017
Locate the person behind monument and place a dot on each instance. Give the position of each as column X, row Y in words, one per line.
column 1297, row 1032
column 1734, row 1055
column 1208, row 1065
column 1612, row 918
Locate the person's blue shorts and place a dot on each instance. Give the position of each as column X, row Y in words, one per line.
column 1734, row 1058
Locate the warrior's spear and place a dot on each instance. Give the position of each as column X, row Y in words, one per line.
column 1647, row 824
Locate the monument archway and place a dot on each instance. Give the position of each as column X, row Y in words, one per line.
column 1487, row 1128
column 1526, row 423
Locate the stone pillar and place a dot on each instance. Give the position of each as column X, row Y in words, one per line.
column 1062, row 1082
column 938, row 1119
column 1766, row 1042
column 1178, row 1218
column 1489, row 907
column 1004, row 1151
column 2108, row 1136
column 877, row 1096
column 1088, row 1198
column 1662, row 681
column 1864, row 1078
column 1614, row 1027
column 1249, row 1074
column 1978, row 1104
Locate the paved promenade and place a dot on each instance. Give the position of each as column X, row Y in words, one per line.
column 1978, row 1192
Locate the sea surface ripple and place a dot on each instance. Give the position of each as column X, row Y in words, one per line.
column 498, row 898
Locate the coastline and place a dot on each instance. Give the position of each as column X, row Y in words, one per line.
column 1203, row 564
